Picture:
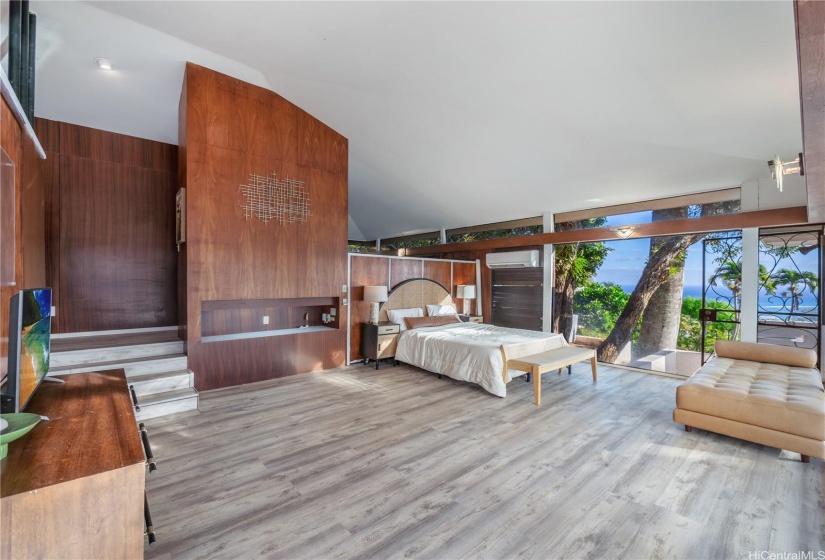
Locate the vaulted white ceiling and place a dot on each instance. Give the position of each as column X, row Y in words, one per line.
column 460, row 113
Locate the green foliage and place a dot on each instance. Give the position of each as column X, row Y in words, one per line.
column 358, row 248
column 598, row 307
column 796, row 283
column 690, row 328
column 494, row 234
column 580, row 260
column 410, row 243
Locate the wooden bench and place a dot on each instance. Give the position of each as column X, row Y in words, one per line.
column 542, row 362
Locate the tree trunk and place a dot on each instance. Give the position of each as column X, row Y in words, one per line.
column 655, row 273
column 564, row 289
column 661, row 319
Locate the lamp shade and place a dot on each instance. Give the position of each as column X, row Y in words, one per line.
column 466, row 292
column 375, row 293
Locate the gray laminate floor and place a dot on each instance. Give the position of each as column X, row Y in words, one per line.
column 395, row 463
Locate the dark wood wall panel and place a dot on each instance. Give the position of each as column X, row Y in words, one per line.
column 118, row 267
column 11, row 142
column 441, row 272
column 33, row 215
column 246, row 361
column 364, row 271
column 810, row 45
column 100, row 145
column 229, row 130
column 375, row 271
column 182, row 286
column 48, row 132
column 109, row 203
column 402, row 270
column 463, row 274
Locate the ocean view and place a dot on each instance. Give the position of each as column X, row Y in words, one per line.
column 766, row 302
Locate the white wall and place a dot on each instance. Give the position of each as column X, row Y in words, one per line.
column 762, row 194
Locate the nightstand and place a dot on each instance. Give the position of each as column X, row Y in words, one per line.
column 379, row 341
column 471, row 318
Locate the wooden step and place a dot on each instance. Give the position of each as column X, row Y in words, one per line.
column 171, row 402
column 154, row 383
column 108, row 354
column 132, row 367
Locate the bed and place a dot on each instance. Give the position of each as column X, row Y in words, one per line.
column 464, row 351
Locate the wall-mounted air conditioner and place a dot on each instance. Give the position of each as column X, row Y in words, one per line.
column 514, row 259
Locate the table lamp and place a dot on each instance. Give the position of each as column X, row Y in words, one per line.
column 375, row 295
column 466, row 293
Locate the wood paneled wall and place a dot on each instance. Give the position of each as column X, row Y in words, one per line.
column 486, row 275
column 109, row 227
column 11, row 141
column 229, row 130
column 392, row 271
column 810, row 47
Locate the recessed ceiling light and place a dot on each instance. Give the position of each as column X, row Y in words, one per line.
column 104, row 63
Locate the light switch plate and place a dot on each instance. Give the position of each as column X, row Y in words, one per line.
column 344, row 288
column 345, row 301
column 266, row 319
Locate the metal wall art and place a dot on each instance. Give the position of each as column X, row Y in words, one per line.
column 269, row 198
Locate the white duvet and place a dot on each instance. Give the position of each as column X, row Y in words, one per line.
column 466, row 351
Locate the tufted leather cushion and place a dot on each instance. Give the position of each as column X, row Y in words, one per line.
column 774, row 396
column 768, row 353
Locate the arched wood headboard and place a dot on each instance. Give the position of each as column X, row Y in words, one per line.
column 416, row 292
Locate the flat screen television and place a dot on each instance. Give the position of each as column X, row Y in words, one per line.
column 30, row 329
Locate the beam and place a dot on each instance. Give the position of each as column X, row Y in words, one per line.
column 687, row 226
column 810, row 49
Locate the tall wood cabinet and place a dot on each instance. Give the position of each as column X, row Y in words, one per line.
column 74, row 486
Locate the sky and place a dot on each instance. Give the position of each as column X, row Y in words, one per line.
column 624, row 265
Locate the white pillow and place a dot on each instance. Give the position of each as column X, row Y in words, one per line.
column 436, row 310
column 397, row 315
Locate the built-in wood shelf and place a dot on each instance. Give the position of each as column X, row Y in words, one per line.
column 240, row 319
column 262, row 334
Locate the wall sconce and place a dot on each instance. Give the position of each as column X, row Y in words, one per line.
column 624, row 231
column 375, row 295
column 781, row 168
column 467, row 293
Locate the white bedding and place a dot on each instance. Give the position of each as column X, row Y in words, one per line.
column 465, row 351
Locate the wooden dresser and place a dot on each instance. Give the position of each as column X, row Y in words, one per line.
column 73, row 487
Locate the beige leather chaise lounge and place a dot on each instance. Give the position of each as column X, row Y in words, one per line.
column 762, row 393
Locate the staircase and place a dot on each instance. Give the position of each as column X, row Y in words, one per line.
column 153, row 360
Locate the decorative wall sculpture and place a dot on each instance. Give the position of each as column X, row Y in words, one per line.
column 269, row 198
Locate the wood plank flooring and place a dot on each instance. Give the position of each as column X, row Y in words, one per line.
column 395, row 463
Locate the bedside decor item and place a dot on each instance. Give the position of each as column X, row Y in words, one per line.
column 375, row 295
column 18, row 425
column 466, row 293
column 269, row 198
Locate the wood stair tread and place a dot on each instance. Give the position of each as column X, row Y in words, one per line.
column 113, row 340
column 168, row 396
column 116, row 364
column 158, row 375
